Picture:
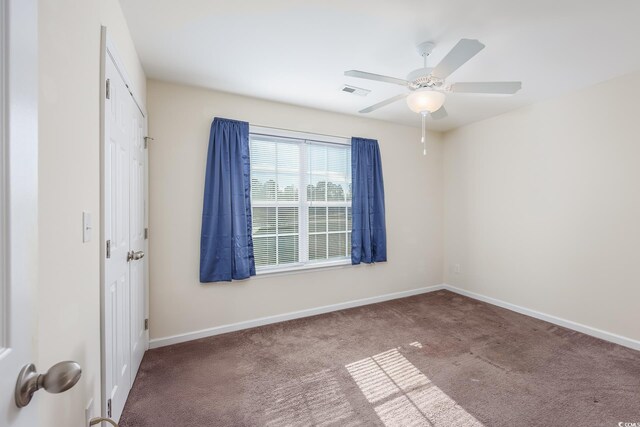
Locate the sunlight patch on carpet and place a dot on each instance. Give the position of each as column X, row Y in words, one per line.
column 404, row 396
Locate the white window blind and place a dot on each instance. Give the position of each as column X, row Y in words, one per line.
column 301, row 202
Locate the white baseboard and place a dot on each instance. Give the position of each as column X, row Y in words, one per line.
column 175, row 339
column 598, row 333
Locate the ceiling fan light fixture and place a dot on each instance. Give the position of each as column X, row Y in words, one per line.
column 425, row 100
column 426, row 85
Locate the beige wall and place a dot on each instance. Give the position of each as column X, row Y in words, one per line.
column 69, row 176
column 542, row 207
column 180, row 118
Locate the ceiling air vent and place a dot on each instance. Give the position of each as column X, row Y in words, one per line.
column 355, row 90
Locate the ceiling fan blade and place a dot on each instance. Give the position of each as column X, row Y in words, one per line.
column 377, row 77
column 383, row 103
column 461, row 53
column 487, row 87
column 440, row 113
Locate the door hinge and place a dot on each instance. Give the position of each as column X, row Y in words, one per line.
column 108, row 89
column 146, row 233
column 146, row 141
column 146, row 324
column 108, row 248
column 109, row 408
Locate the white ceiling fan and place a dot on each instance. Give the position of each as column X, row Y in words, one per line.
column 427, row 86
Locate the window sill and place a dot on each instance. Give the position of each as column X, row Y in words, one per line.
column 308, row 268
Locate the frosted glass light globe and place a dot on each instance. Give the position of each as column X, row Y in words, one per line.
column 425, row 99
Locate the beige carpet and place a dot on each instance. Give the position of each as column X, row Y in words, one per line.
column 437, row 359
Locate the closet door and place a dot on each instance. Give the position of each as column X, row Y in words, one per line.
column 117, row 279
column 124, row 221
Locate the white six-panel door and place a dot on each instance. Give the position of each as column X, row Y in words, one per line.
column 124, row 298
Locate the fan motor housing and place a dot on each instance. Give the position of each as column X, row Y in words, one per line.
column 422, row 78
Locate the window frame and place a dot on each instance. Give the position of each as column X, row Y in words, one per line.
column 304, row 139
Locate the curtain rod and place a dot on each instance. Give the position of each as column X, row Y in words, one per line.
column 300, row 131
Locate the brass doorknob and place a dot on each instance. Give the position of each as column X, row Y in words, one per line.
column 60, row 377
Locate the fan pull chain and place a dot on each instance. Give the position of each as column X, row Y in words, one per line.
column 424, row 131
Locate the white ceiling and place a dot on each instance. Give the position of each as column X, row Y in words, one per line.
column 296, row 51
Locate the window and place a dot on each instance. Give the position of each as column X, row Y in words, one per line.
column 300, row 199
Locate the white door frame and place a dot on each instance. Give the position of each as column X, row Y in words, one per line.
column 19, row 201
column 109, row 53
